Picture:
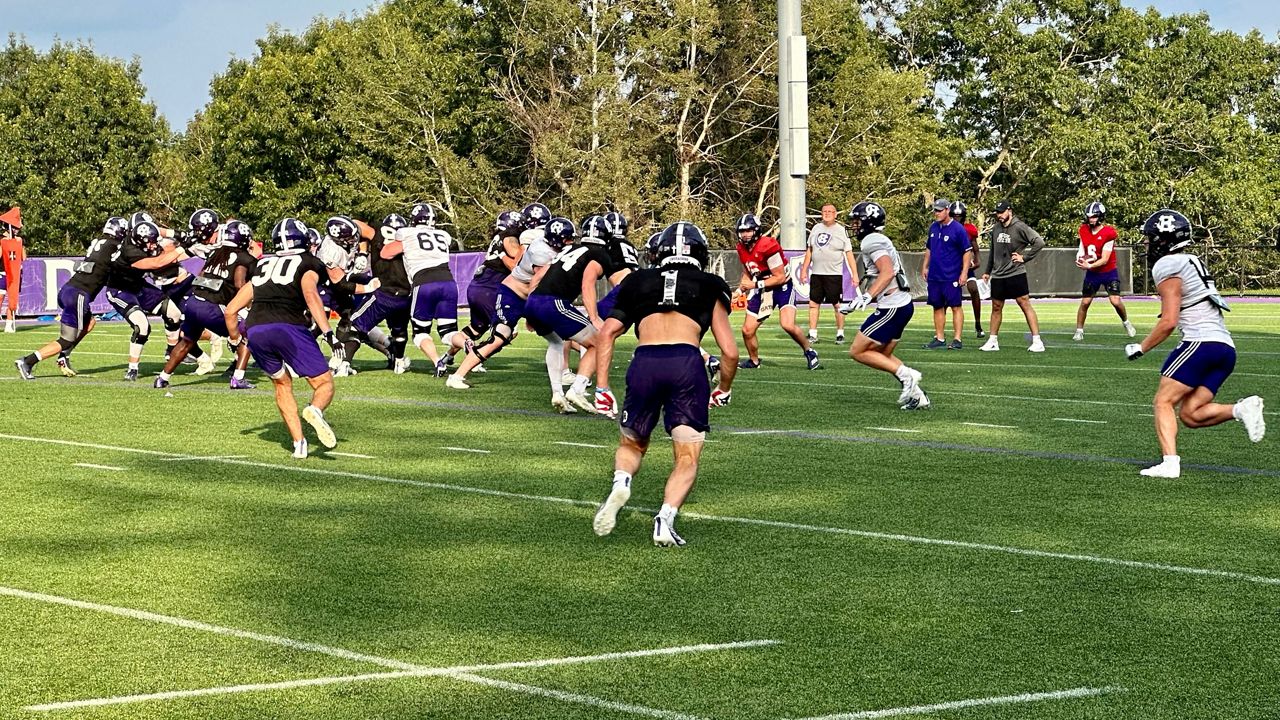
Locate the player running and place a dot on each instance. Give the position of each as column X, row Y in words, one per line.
column 672, row 304
column 1097, row 258
column 1206, row 355
column 764, row 270
column 424, row 249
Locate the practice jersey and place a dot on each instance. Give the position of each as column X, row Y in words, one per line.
column 1201, row 316
column 426, row 254
column 1094, row 244
column 493, row 256
column 674, row 287
column 535, row 256
column 92, row 272
column 564, row 278
column 390, row 273
column 277, row 288
column 124, row 276
column 897, row 293
column 532, row 235
column 168, row 274
column 622, row 256
column 765, row 255
column 216, row 282
column 332, row 255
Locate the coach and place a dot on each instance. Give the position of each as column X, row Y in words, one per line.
column 1013, row 244
column 945, row 269
column 829, row 249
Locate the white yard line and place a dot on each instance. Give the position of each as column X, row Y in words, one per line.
column 97, row 467
column 756, row 432
column 204, row 457
column 456, row 672
column 578, row 444
column 1081, row 420
column 988, row 425
column 1002, row 367
column 466, row 450
column 890, row 429
column 358, row 456
column 575, row 698
column 1074, row 693
column 868, row 534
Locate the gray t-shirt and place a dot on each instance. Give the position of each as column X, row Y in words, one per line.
column 828, row 244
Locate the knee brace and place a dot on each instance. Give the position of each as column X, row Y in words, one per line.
column 172, row 316
column 501, row 337
column 446, row 329
column 141, row 326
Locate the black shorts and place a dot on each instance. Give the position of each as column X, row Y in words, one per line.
column 826, row 289
column 1010, row 288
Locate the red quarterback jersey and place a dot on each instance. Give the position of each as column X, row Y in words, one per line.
column 762, row 258
column 1092, row 245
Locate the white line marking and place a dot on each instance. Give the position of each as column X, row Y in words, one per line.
column 204, row 457
column 889, row 429
column 575, row 698
column 349, row 455
column 1082, row 692
column 197, row 625
column 462, row 449
column 98, row 467
column 457, row 672
column 576, row 444
column 1078, row 420
column 755, row 432
column 988, row 425
column 592, row 504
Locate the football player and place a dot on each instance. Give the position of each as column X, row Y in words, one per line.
column 672, row 305
column 390, row 299
column 1097, row 258
column 960, row 213
column 500, row 257
column 225, row 271
column 764, row 270
column 1206, row 354
column 424, row 249
column 880, row 333
column 536, row 216
column 279, row 296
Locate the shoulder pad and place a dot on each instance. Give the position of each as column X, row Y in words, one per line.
column 876, row 242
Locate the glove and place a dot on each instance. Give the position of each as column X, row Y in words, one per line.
column 335, row 347
column 859, row 303
column 185, row 238
column 1133, row 350
column 606, row 403
column 720, row 398
column 360, row 264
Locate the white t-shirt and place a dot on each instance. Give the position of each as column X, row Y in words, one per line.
column 828, row 244
column 538, row 254
column 332, row 254
column 424, row 248
column 874, row 247
column 1201, row 316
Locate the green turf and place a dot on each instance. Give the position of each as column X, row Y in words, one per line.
column 489, row 558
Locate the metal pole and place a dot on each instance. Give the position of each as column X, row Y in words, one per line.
column 793, row 125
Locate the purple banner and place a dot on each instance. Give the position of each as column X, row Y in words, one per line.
column 43, row 277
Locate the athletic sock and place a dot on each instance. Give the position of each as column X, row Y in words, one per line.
column 238, row 374
column 580, row 383
column 903, row 372
column 668, row 513
column 133, row 366
column 31, row 359
column 621, row 476
column 165, row 376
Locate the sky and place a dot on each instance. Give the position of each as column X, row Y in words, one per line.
column 182, row 44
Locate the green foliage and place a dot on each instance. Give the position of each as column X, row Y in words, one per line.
column 77, row 141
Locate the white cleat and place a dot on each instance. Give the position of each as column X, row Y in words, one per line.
column 344, row 370
column 581, row 401
column 991, row 345
column 919, row 401
column 315, row 418
column 567, row 377
column 9, row 327
column 1249, row 412
column 1129, row 328
column 402, row 366
column 335, row 362
column 1165, row 469
column 300, row 449
column 457, row 382
column 479, row 369
column 562, row 406
column 1037, row 346
column 664, row 535
column 910, row 386
column 1080, row 335
column 607, row 516
column 216, row 347
column 204, row 365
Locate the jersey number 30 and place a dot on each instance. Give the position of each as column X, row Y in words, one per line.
column 278, row 269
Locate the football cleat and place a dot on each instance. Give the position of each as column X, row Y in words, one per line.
column 479, row 369
column 813, row 339
column 606, row 404
column 1130, row 329
column 344, row 370
column 9, row 327
column 918, row 401
column 713, row 369
column 24, row 369
column 1037, row 346
column 315, row 418
column 910, row 386
column 562, row 406
column 216, row 347
column 204, row 365
column 160, row 383
column 240, row 384
column 448, row 359
column 979, row 332
column 580, row 400
column 1166, row 469
column 300, row 449
column 64, row 366
column 956, row 345
column 402, row 366
column 567, row 377
column 811, row 357
column 935, row 344
column 131, row 375
column 748, row 364
column 607, row 515
column 840, row 337
column 1249, row 412
column 335, row 362
column 991, row 345
column 664, row 535
column 442, row 368
column 188, row 360
column 457, row 382
column 1079, row 335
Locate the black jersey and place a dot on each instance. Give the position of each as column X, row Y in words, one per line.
column 674, row 287
column 493, row 256
column 563, row 278
column 216, row 282
column 124, row 276
column 92, row 272
column 390, row 273
column 622, row 256
column 277, row 288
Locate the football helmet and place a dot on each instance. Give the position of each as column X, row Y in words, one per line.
column 1095, row 209
column 146, row 235
column 116, row 227
column 343, row 230
column 423, row 214
column 959, row 210
column 869, row 216
column 680, row 242
column 140, row 217
column 596, row 230
column 509, row 223
column 237, row 234
column 746, row 222
column 204, row 222
column 292, row 234
column 560, row 232
column 1167, row 231
column 536, row 215
column 617, row 223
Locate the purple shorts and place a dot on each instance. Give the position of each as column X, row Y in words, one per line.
column 149, row 299
column 75, row 307
column 549, row 314
column 944, row 295
column 377, row 306
column 510, row 307
column 606, row 303
column 670, row 379
column 482, row 300
column 275, row 345
column 1093, row 281
column 1199, row 363
column 885, row 325
column 434, row 301
column 783, row 296
column 199, row 315
column 4, row 281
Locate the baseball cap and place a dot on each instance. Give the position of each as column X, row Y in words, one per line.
column 1002, row 206
column 941, row 204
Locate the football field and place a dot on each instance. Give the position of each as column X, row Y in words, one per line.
column 996, row 556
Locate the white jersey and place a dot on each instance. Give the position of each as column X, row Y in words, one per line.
column 1201, row 316
column 874, row 247
column 425, row 248
column 532, row 235
column 332, row 255
column 538, row 254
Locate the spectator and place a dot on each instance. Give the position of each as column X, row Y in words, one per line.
column 829, row 250
column 12, row 255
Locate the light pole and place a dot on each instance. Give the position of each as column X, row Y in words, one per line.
column 793, row 124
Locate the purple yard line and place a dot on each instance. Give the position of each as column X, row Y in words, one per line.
column 913, row 539
column 799, row 434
